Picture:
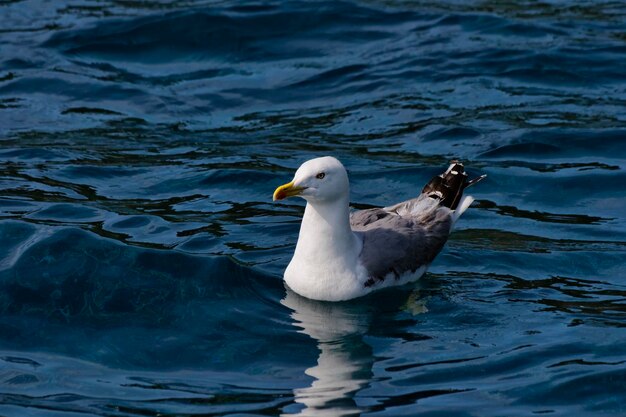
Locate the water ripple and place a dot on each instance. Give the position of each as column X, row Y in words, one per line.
column 141, row 254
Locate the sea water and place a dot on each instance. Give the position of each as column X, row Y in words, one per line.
column 141, row 255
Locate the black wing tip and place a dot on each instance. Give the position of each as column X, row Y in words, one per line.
column 448, row 186
column 475, row 180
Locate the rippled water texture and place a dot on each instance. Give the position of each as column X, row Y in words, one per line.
column 141, row 255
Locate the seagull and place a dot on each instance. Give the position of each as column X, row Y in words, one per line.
column 342, row 255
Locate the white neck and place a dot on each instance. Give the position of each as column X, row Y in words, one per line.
column 325, row 264
column 326, row 229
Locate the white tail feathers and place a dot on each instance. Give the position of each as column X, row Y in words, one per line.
column 464, row 204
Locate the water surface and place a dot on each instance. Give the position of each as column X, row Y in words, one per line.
column 141, row 255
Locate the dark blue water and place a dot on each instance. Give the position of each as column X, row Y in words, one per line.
column 141, row 256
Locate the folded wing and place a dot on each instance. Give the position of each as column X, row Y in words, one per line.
column 404, row 237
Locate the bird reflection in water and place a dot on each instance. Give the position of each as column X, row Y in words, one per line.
column 345, row 361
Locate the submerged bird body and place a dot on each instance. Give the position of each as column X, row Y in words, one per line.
column 340, row 256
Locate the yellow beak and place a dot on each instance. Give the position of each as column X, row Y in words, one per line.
column 287, row 190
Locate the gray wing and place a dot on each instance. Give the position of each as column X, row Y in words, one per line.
column 401, row 238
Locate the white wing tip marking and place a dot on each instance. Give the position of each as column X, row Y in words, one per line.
column 464, row 204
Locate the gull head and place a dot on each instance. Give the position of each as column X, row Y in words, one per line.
column 319, row 180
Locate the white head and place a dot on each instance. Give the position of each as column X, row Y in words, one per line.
column 318, row 180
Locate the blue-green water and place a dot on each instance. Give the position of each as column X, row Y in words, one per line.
column 141, row 255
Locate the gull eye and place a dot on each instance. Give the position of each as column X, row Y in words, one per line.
column 320, row 176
